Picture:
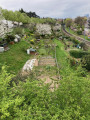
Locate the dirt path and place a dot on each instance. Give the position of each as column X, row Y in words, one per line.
column 52, row 81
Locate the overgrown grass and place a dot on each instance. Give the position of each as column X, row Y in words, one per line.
column 62, row 58
column 16, row 57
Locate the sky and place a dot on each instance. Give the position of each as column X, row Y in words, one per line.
column 50, row 8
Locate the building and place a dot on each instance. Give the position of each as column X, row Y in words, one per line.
column 31, row 51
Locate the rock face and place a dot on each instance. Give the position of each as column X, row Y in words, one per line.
column 43, row 29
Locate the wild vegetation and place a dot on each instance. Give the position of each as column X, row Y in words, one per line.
column 24, row 17
column 28, row 97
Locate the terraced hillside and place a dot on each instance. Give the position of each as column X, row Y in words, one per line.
column 47, row 61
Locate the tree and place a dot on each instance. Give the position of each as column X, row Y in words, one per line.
column 68, row 22
column 80, row 21
column 30, row 14
column 86, row 62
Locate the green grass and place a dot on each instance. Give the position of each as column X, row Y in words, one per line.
column 16, row 57
column 62, row 56
column 72, row 32
column 42, row 51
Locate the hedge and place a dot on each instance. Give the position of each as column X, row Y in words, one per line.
column 86, row 62
column 78, row 53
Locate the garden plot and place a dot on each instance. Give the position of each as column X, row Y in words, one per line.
column 48, row 74
column 52, row 81
column 47, row 61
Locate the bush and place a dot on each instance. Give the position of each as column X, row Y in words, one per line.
column 72, row 62
column 74, row 40
column 9, row 37
column 32, row 41
column 78, row 54
column 37, row 36
column 79, row 32
column 18, row 31
column 86, row 62
column 1, row 39
column 84, row 46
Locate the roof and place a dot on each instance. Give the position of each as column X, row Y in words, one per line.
column 31, row 49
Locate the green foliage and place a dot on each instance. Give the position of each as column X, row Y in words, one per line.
column 73, row 62
column 18, row 30
column 33, row 100
column 42, row 51
column 30, row 14
column 68, row 22
column 24, row 18
column 1, row 39
column 79, row 32
column 84, row 46
column 78, row 53
column 86, row 62
column 80, row 21
column 15, row 16
column 32, row 41
column 74, row 40
column 9, row 37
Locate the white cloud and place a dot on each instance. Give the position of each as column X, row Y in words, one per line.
column 50, row 8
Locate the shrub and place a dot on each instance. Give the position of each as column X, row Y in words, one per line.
column 72, row 62
column 78, row 54
column 74, row 40
column 9, row 37
column 37, row 36
column 84, row 46
column 86, row 62
column 18, row 30
column 32, row 41
column 1, row 39
column 79, row 32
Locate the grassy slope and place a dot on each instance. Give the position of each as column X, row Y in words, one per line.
column 72, row 32
column 62, row 56
column 16, row 57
